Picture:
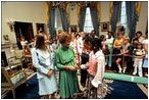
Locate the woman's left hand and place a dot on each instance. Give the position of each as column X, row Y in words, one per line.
column 50, row 72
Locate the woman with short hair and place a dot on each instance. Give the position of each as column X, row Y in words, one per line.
column 65, row 56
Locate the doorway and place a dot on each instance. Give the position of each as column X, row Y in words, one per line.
column 24, row 29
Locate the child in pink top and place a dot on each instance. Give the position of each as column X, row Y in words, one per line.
column 96, row 66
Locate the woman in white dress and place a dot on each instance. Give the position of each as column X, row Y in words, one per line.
column 43, row 61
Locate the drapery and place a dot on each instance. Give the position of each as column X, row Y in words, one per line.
column 82, row 18
column 94, row 16
column 132, row 17
column 62, row 6
column 52, row 21
column 64, row 20
column 115, row 10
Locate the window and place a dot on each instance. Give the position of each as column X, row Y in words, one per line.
column 123, row 20
column 88, row 27
column 58, row 22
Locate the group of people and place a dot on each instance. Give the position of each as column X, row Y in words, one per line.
column 137, row 52
column 76, row 58
column 81, row 58
column 121, row 51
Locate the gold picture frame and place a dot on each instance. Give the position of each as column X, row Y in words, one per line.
column 104, row 26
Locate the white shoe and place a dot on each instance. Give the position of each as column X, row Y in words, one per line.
column 95, row 83
column 134, row 73
column 140, row 75
column 124, row 70
column 120, row 70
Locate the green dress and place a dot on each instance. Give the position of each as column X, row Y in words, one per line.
column 68, row 83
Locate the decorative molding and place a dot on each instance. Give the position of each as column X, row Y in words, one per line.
column 93, row 5
column 58, row 4
column 8, row 45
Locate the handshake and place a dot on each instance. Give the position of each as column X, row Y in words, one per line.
column 71, row 68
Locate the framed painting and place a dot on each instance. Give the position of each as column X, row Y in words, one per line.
column 104, row 26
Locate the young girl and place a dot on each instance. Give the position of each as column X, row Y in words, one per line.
column 118, row 43
column 139, row 53
column 109, row 43
column 96, row 66
column 43, row 61
column 125, row 51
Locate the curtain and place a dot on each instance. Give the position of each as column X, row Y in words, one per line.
column 94, row 16
column 115, row 16
column 65, row 24
column 52, row 21
column 132, row 18
column 98, row 10
column 82, row 18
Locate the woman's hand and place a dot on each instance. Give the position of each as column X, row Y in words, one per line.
column 50, row 72
column 66, row 67
column 72, row 68
column 77, row 66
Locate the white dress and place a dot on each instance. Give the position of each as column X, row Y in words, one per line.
column 43, row 61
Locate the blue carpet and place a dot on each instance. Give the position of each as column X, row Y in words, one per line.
column 122, row 90
column 30, row 91
column 125, row 90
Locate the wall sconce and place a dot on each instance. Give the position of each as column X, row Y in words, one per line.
column 10, row 23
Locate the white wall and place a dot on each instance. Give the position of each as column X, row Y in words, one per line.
column 34, row 12
column 104, row 17
column 142, row 23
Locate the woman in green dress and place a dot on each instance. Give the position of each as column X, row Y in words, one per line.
column 68, row 83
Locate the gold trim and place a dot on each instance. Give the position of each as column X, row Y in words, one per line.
column 138, row 8
column 111, row 10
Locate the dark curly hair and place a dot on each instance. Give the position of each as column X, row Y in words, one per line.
column 96, row 43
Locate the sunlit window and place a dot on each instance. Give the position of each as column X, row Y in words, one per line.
column 123, row 20
column 88, row 27
column 58, row 22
